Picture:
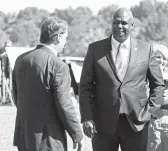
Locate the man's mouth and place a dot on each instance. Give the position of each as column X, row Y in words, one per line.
column 120, row 33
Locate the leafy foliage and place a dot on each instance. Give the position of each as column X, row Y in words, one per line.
column 23, row 28
column 154, row 19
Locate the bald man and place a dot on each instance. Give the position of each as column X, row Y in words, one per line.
column 115, row 109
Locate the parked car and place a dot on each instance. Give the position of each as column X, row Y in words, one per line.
column 76, row 64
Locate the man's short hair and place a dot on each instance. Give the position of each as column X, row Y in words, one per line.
column 51, row 27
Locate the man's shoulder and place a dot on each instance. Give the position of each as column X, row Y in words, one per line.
column 145, row 48
column 142, row 42
column 21, row 56
column 56, row 60
column 100, row 42
column 46, row 54
column 57, row 63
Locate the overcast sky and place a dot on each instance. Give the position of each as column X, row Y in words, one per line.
column 50, row 5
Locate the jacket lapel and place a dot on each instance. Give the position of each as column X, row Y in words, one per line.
column 109, row 57
column 133, row 56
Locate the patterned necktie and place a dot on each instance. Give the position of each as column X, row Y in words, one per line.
column 121, row 61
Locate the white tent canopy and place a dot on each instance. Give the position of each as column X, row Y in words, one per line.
column 14, row 52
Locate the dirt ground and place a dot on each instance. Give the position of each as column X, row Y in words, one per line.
column 7, row 122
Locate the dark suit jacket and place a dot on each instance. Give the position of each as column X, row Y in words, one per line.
column 100, row 88
column 41, row 86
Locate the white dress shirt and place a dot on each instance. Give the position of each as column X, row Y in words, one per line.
column 125, row 45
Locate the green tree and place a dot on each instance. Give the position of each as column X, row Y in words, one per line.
column 154, row 19
column 81, row 23
column 24, row 34
column 3, row 38
column 66, row 14
column 32, row 14
column 105, row 16
column 2, row 23
column 81, row 35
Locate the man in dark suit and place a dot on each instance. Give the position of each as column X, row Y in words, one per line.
column 41, row 86
column 113, row 102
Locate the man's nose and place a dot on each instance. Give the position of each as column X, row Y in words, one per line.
column 120, row 25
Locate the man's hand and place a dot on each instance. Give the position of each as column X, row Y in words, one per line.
column 78, row 146
column 165, row 95
column 89, row 128
column 165, row 102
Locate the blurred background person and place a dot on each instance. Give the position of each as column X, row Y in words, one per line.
column 158, row 129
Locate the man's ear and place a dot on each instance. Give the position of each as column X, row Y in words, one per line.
column 59, row 36
column 56, row 39
column 132, row 24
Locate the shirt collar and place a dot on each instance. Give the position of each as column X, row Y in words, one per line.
column 115, row 43
column 51, row 48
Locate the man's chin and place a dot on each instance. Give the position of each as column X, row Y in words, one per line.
column 120, row 38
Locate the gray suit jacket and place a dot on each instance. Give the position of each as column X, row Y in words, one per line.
column 41, row 86
column 102, row 93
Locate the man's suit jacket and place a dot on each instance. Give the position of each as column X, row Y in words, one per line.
column 101, row 89
column 41, row 86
